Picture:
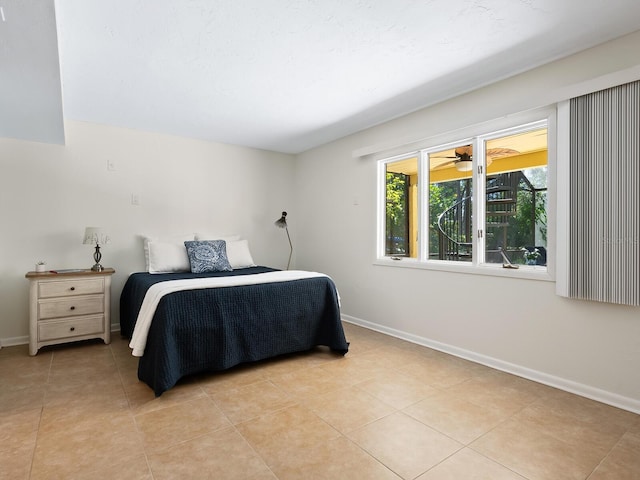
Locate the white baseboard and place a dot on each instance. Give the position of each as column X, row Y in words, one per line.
column 593, row 393
column 13, row 341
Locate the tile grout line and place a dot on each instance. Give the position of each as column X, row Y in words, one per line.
column 44, row 396
column 130, row 410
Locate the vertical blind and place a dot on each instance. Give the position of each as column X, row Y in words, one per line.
column 604, row 173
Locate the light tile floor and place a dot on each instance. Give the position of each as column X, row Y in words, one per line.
column 388, row 410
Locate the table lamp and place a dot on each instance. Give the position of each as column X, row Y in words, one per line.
column 96, row 236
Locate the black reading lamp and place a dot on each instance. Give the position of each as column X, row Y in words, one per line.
column 282, row 223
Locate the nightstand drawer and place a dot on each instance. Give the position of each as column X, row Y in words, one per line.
column 71, row 306
column 78, row 286
column 68, row 328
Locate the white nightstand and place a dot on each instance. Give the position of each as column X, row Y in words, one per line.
column 69, row 306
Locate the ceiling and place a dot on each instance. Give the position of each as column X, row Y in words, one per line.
column 282, row 75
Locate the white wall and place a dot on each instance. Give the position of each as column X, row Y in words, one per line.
column 49, row 194
column 514, row 324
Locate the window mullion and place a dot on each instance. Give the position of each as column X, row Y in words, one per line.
column 423, row 206
column 479, row 207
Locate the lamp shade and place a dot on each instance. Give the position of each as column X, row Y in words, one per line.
column 282, row 221
column 95, row 236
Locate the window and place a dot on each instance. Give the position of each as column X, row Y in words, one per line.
column 401, row 207
column 479, row 201
column 450, row 197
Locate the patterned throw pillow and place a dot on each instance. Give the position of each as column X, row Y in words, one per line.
column 208, row 256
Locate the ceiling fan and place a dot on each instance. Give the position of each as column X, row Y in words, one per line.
column 461, row 159
column 463, row 156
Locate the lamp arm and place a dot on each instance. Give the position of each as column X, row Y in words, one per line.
column 290, row 246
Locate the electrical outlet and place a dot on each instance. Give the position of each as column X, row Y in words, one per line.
column 135, row 199
column 111, row 165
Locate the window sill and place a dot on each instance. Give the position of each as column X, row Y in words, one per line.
column 496, row 270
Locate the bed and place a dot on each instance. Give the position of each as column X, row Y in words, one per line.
column 202, row 329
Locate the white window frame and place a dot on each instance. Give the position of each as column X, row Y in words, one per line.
column 476, row 136
column 382, row 201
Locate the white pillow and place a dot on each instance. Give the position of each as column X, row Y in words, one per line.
column 166, row 256
column 214, row 236
column 239, row 255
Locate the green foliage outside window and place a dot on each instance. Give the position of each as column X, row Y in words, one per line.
column 397, row 210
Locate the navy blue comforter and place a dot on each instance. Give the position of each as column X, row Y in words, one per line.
column 202, row 330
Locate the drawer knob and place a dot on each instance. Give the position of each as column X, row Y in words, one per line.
column 72, row 288
column 72, row 329
column 73, row 308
